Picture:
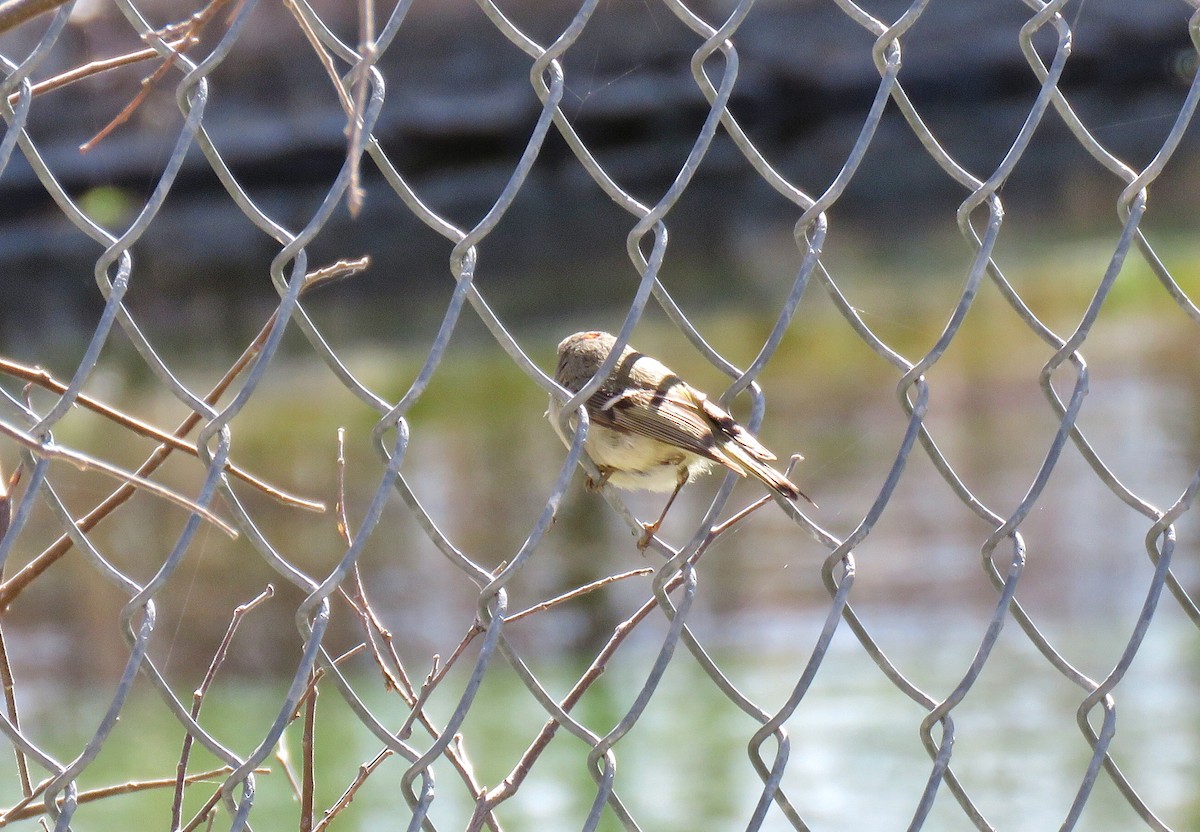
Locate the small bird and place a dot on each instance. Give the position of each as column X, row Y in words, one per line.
column 650, row 430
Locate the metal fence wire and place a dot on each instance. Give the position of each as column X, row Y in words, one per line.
column 432, row 721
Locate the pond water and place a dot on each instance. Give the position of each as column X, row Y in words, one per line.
column 482, row 460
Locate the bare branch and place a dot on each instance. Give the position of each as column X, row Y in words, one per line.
column 308, row 787
column 354, row 127
column 364, row 771
column 13, row 587
column 187, row 32
column 84, row 462
column 98, row 67
column 10, row 702
column 43, row 379
column 28, row 809
column 508, row 787
column 218, row 659
column 343, row 524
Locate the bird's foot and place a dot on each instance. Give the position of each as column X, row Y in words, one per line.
column 596, row 485
column 648, row 532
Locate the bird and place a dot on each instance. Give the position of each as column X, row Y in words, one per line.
column 649, row 430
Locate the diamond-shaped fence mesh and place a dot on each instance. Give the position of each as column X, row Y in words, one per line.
column 342, row 572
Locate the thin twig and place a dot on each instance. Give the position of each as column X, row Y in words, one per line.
column 487, row 803
column 188, row 31
column 315, row 679
column 15, row 585
column 322, row 55
column 84, row 462
column 364, row 771
column 218, row 659
column 319, row 674
column 308, row 787
column 28, row 809
column 338, row 270
column 353, row 105
column 284, row 757
column 100, row 66
column 343, row 525
column 477, row 628
column 354, row 125
column 440, row 669
column 371, row 623
column 400, row 683
column 418, row 707
column 43, row 379
column 455, row 752
column 578, row 592
column 6, row 675
column 10, row 702
column 129, row 109
column 362, row 606
column 211, row 803
column 206, row 811
column 720, row 529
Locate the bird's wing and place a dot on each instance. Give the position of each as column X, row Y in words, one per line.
column 684, row 418
column 681, row 416
column 729, row 426
column 669, row 418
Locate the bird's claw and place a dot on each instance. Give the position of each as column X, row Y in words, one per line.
column 648, row 532
column 596, row 485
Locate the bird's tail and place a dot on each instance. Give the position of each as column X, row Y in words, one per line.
column 744, row 463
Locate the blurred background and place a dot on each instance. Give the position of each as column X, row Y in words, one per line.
column 457, row 114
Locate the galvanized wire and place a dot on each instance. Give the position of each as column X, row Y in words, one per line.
column 715, row 64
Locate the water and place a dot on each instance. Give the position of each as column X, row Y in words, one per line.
column 483, row 459
column 856, row 759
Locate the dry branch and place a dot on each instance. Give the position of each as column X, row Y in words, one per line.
column 28, row 809
column 13, row 587
column 43, row 379
column 84, row 462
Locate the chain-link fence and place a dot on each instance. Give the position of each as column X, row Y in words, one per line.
column 375, row 585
